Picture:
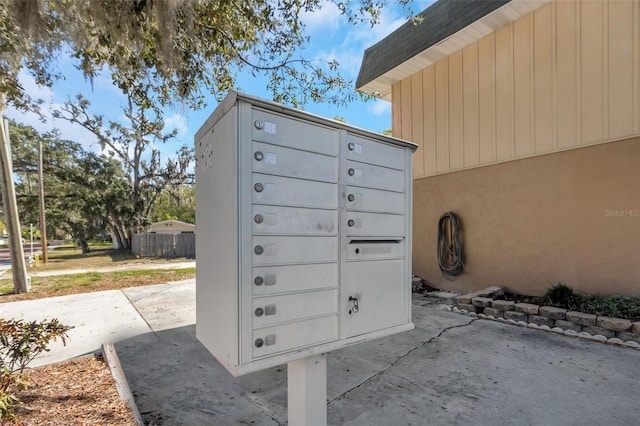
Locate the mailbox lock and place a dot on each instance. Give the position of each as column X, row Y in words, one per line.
column 259, row 124
column 258, row 281
column 259, row 342
column 258, row 155
column 350, row 222
column 351, row 172
column 258, row 187
column 259, row 312
column 355, row 308
column 258, row 218
column 351, row 146
column 351, row 197
column 258, row 250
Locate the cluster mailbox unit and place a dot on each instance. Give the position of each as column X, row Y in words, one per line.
column 304, row 234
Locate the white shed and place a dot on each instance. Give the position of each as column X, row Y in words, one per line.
column 172, row 227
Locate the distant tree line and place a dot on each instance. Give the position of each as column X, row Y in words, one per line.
column 88, row 194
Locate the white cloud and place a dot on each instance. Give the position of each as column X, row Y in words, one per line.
column 379, row 107
column 327, row 18
column 178, row 122
column 356, row 38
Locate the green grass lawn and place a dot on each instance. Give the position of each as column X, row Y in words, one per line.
column 70, row 257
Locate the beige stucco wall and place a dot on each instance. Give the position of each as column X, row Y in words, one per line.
column 572, row 216
column 532, row 135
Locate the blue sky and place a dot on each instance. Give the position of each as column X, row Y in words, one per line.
column 331, row 36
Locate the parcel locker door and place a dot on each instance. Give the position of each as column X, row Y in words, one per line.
column 373, row 296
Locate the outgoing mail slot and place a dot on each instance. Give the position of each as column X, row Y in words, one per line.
column 373, row 152
column 278, row 160
column 294, row 335
column 268, row 250
column 375, row 249
column 282, row 279
column 387, row 225
column 367, row 175
column 373, row 200
column 269, row 189
column 292, row 307
column 280, row 130
column 267, row 219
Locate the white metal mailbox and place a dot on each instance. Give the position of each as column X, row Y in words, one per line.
column 304, row 234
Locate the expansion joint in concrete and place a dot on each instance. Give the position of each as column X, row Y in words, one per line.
column 264, row 409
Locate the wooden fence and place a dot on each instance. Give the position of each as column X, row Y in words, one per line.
column 164, row 245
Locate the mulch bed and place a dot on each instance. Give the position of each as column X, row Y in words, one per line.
column 77, row 392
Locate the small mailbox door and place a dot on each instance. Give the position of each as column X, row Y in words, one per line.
column 277, row 160
column 373, row 200
column 368, row 151
column 369, row 176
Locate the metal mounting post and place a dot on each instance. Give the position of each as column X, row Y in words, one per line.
column 307, row 391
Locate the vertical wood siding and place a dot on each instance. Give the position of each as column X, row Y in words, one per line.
column 563, row 76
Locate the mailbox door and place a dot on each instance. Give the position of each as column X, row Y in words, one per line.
column 294, row 335
column 373, row 296
column 381, row 225
column 280, row 130
column 278, row 190
column 278, row 160
column 269, row 280
column 269, row 219
column 272, row 310
column 372, row 152
column 373, row 200
column 370, row 176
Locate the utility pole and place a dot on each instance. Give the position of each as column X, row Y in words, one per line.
column 18, row 266
column 43, row 223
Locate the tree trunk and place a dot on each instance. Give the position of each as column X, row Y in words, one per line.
column 18, row 266
column 85, row 246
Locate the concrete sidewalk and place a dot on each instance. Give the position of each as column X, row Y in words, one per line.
column 451, row 369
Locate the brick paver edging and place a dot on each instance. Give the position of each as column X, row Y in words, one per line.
column 612, row 331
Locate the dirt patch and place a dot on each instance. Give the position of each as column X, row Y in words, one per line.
column 76, row 392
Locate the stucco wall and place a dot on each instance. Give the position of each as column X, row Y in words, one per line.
column 571, row 216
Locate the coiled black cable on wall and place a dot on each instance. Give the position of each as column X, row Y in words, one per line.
column 450, row 252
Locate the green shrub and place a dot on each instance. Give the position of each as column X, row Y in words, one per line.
column 616, row 306
column 20, row 343
column 562, row 296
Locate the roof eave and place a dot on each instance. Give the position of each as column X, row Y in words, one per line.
column 380, row 86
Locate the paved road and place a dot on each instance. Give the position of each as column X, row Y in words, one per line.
column 451, row 369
